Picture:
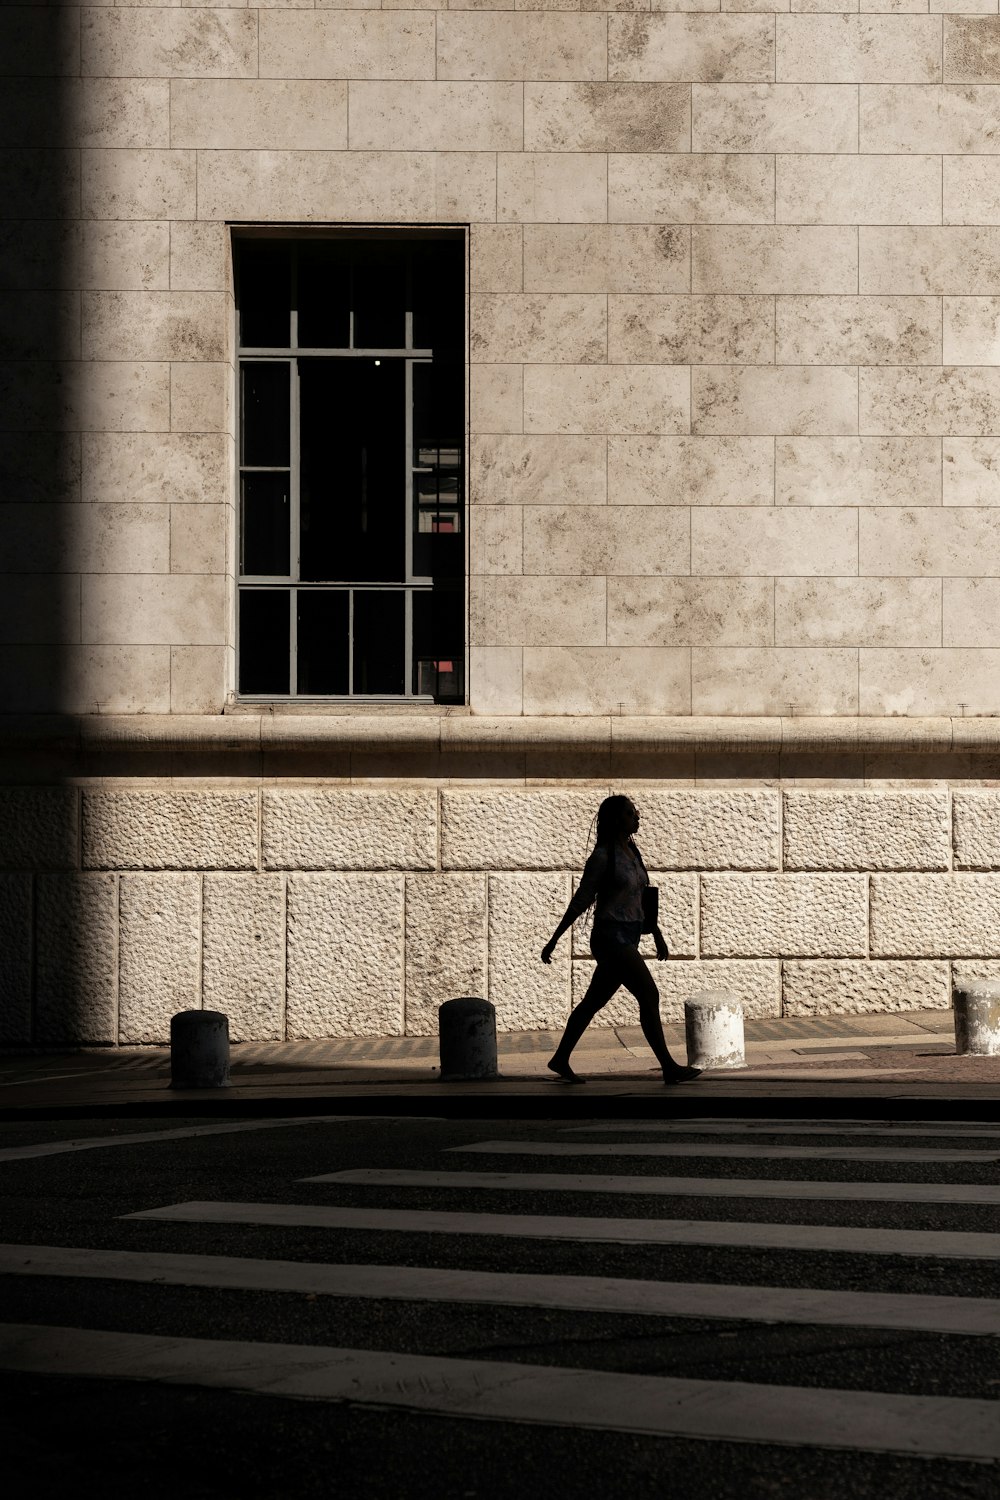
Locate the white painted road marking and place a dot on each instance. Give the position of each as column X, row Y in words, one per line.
column 740, row 1235
column 151, row 1137
column 498, row 1391
column 674, row 1187
column 972, row 1316
column 729, row 1152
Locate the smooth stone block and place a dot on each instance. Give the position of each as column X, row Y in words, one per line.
column 269, row 114
column 660, row 611
column 773, row 117
column 971, row 608
column 137, row 184
column 569, row 329
column 934, row 541
column 962, row 262
column 605, row 258
column 857, row 612
column 972, row 49
column 971, row 330
column 538, row 611
column 858, row 471
column 971, row 471
column 772, row 682
column 858, row 330
column 710, row 49
column 708, row 328
column 605, row 680
column 605, row 539
column 859, row 49
column 743, row 542
column 944, row 682
column 521, row 46
column 701, row 470
column 341, row 44
column 959, row 400
column 788, row 400
column 551, row 470
column 627, row 398
column 775, row 260
column 607, row 117
column 394, row 116
column 858, row 189
column 934, row 118
column 557, row 188
column 685, row 189
column 166, row 43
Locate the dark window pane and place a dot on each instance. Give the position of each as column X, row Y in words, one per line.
column 263, row 293
column 324, row 294
column 439, row 643
column 438, row 543
column 323, row 642
column 264, row 535
column 264, row 406
column 379, row 643
column 264, row 641
column 353, row 474
column 379, row 295
column 438, row 414
column 439, row 297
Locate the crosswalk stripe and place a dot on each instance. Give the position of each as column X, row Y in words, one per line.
column 152, row 1137
column 674, row 1187
column 730, row 1152
column 973, row 1316
column 741, row 1235
column 501, row 1391
column 757, row 1127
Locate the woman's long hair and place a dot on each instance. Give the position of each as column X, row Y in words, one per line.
column 608, row 823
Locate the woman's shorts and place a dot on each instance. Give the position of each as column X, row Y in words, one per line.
column 607, row 938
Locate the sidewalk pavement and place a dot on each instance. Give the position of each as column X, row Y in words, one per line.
column 892, row 1064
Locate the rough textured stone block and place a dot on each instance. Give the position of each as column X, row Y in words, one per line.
column 977, row 830
column 524, row 911
column 935, row 916
column 756, row 983
column 445, row 945
column 345, row 955
column 349, row 829
column 776, row 915
column 15, row 960
column 76, row 958
column 866, row 831
column 243, row 965
column 167, row 830
column 862, row 987
column 708, row 830
column 39, row 828
column 493, row 829
column 159, row 957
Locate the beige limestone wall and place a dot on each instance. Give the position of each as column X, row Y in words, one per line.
column 735, row 401
column 354, row 910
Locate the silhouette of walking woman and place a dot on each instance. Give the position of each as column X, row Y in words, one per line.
column 615, row 877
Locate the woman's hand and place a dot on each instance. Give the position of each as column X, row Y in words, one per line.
column 662, row 951
column 547, row 951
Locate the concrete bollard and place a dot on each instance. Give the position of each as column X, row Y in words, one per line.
column 199, row 1050
column 713, row 1030
column 467, row 1032
column 977, row 1020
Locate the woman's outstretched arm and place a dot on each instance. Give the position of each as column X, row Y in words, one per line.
column 584, row 896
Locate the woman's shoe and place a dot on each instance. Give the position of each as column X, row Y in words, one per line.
column 564, row 1071
column 677, row 1074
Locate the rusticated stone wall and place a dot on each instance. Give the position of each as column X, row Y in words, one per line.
column 347, row 910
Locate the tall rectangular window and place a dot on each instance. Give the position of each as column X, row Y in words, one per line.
column 352, row 461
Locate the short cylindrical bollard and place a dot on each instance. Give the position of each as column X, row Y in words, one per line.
column 199, row 1050
column 467, row 1032
column 977, row 1019
column 713, row 1030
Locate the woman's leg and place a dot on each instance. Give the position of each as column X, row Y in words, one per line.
column 635, row 976
column 606, row 980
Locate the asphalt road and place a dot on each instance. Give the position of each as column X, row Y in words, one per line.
column 184, row 1438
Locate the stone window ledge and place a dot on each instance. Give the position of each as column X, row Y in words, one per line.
column 430, row 734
